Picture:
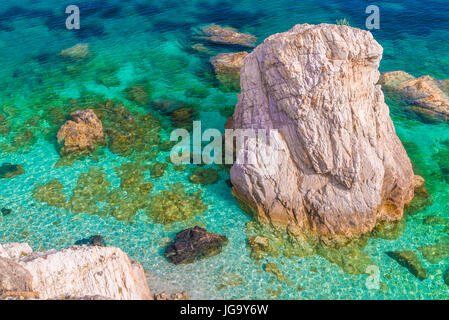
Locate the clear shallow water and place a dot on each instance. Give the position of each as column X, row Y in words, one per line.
column 150, row 42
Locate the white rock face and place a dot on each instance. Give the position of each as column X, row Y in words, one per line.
column 341, row 165
column 81, row 271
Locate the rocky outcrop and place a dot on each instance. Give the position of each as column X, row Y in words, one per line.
column 335, row 166
column 218, row 34
column 9, row 170
column 79, row 271
column 194, row 244
column 82, row 133
column 227, row 67
column 428, row 96
column 79, row 51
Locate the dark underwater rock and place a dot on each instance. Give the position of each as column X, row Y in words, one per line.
column 194, row 244
column 138, row 94
column 9, row 170
column 204, row 176
column 410, row 261
column 96, row 240
column 5, row 211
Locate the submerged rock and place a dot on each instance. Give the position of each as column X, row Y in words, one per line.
column 410, row 261
column 51, row 193
column 390, row 80
column 9, row 170
column 204, row 176
column 96, row 240
column 157, row 169
column 437, row 252
column 227, row 67
column 273, row 268
column 82, row 133
column 422, row 198
column 335, row 167
column 79, row 51
column 446, row 277
column 259, row 247
column 79, row 272
column 175, row 204
column 194, row 244
column 429, row 96
column 218, row 34
column 5, row 211
column 138, row 94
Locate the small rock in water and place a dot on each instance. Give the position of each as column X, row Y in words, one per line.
column 218, row 34
column 79, row 51
column 9, row 170
column 5, row 211
column 82, row 133
column 194, row 244
column 410, row 261
column 96, row 240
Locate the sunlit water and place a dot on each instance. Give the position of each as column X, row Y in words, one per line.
column 150, row 41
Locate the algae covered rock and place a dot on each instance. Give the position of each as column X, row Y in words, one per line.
column 9, row 170
column 428, row 96
column 138, row 94
column 91, row 187
column 437, row 252
column 51, row 193
column 259, row 247
column 193, row 244
column 78, row 51
column 157, row 169
column 410, row 261
column 82, row 133
column 204, row 176
column 227, row 35
column 227, row 68
column 175, row 204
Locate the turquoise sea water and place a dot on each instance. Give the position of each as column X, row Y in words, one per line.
column 149, row 43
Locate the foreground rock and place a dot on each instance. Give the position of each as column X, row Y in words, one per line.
column 194, row 244
column 218, row 34
column 79, row 51
column 410, row 261
column 336, row 166
column 75, row 272
column 82, row 133
column 227, row 68
column 429, row 96
column 9, row 170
